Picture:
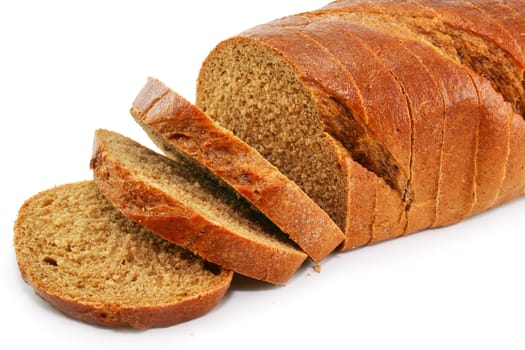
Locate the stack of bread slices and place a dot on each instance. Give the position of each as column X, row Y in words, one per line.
column 328, row 130
column 155, row 239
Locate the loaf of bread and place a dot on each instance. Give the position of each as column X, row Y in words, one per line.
column 181, row 204
column 341, row 127
column 181, row 130
column 93, row 264
column 394, row 116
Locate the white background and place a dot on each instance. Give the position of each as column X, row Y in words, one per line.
column 68, row 68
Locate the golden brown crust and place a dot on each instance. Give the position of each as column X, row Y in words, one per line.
column 460, row 14
column 97, row 310
column 495, row 26
column 361, row 199
column 457, row 14
column 485, row 174
column 514, row 177
column 504, row 20
column 425, row 103
column 493, row 145
column 419, row 99
column 139, row 317
column 179, row 127
column 505, row 17
column 375, row 211
column 465, row 140
column 179, row 223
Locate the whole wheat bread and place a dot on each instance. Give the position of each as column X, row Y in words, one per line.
column 425, row 97
column 93, row 264
column 181, row 130
column 393, row 116
column 182, row 205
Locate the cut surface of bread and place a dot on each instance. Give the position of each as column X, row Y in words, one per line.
column 181, row 204
column 261, row 100
column 93, row 264
column 181, row 130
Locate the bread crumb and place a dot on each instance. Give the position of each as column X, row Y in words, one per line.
column 317, row 268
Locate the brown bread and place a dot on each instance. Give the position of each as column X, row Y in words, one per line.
column 182, row 205
column 93, row 264
column 391, row 116
column 181, row 130
column 449, row 139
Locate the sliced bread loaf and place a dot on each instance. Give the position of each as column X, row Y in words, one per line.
column 181, row 204
column 306, row 89
column 93, row 264
column 181, row 130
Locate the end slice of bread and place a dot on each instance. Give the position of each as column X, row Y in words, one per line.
column 182, row 205
column 93, row 264
column 180, row 129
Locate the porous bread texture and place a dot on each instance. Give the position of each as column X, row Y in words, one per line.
column 342, row 73
column 90, row 262
column 181, row 204
column 182, row 131
column 286, row 131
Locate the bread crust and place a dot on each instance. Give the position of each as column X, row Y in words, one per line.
column 480, row 19
column 457, row 14
column 181, row 224
column 491, row 135
column 505, row 17
column 476, row 128
column 109, row 313
column 139, row 317
column 514, row 177
column 177, row 126
column 424, row 104
column 461, row 15
column 508, row 18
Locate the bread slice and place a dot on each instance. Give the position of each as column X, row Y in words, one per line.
column 181, row 204
column 181, row 130
column 93, row 264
